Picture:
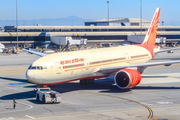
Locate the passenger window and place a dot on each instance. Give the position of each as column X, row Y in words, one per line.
column 41, row 68
column 33, row 68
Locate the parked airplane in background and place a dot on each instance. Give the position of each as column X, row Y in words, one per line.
column 125, row 63
column 1, row 47
column 1, row 29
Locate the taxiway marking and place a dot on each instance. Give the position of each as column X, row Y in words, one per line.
column 9, row 118
column 69, row 102
column 150, row 111
column 30, row 117
column 165, row 103
column 30, row 107
column 173, row 77
column 146, row 103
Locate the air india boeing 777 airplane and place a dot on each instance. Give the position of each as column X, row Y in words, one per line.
column 125, row 63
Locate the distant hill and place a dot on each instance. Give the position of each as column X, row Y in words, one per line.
column 69, row 21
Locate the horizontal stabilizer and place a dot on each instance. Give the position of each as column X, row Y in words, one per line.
column 164, row 50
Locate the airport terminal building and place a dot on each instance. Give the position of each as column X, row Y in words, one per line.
column 95, row 32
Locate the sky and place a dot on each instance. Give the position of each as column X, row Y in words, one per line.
column 90, row 9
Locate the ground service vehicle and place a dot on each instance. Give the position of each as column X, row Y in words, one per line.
column 46, row 95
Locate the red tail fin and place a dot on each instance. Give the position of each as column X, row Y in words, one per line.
column 150, row 37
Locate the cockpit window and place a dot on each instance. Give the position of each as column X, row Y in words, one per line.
column 30, row 66
column 35, row 67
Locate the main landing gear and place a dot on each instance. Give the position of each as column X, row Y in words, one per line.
column 87, row 81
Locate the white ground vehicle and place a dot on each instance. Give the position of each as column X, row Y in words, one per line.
column 46, row 95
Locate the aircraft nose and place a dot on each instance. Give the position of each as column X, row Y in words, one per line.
column 29, row 76
column 33, row 77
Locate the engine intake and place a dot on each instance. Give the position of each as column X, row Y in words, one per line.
column 127, row 78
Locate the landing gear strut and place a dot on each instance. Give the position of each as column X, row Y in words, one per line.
column 87, row 81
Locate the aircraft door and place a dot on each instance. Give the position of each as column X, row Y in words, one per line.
column 45, row 70
column 58, row 68
column 127, row 58
column 86, row 63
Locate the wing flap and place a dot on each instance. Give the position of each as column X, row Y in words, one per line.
column 110, row 70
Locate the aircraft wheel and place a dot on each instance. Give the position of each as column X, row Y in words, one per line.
column 43, row 100
column 90, row 81
column 93, row 81
column 37, row 97
column 87, row 81
column 82, row 82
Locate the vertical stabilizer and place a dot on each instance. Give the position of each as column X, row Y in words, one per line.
column 150, row 37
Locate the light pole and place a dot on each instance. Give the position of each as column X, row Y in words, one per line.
column 17, row 23
column 108, row 11
column 141, row 14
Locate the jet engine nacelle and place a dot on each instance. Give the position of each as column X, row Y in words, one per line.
column 127, row 78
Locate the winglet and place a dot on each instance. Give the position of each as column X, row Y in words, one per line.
column 150, row 37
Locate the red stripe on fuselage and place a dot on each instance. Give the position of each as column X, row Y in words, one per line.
column 101, row 64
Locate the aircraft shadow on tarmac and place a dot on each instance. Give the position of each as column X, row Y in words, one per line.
column 20, row 95
column 106, row 86
column 102, row 85
column 15, row 79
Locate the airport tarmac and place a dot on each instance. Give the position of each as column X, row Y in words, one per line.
column 156, row 97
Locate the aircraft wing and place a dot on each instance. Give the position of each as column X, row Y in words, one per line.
column 34, row 52
column 164, row 50
column 117, row 68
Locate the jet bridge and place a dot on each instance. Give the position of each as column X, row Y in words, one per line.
column 64, row 40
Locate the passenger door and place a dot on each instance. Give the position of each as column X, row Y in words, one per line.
column 86, row 63
column 128, row 58
column 45, row 70
column 58, row 68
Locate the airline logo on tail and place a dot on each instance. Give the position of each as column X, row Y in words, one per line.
column 152, row 31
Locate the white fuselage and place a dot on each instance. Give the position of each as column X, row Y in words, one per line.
column 67, row 66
